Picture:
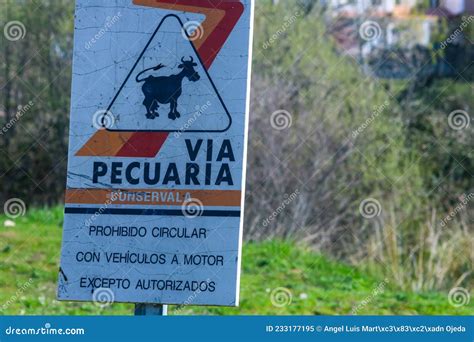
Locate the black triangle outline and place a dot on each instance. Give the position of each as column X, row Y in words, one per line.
column 202, row 65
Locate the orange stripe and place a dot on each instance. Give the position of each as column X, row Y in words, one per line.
column 155, row 196
column 104, row 143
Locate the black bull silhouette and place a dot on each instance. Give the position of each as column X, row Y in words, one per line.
column 166, row 89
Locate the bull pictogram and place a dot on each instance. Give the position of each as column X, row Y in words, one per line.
column 166, row 89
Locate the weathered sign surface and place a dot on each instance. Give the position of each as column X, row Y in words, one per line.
column 156, row 170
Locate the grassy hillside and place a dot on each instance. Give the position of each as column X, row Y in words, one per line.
column 277, row 278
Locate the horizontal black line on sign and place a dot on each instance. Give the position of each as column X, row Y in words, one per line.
column 151, row 212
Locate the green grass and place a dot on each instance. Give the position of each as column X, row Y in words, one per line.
column 318, row 286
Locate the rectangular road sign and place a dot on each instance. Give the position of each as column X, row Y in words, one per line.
column 157, row 152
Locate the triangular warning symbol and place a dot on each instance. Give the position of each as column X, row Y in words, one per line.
column 168, row 89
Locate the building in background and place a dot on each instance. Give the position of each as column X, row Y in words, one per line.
column 373, row 7
column 371, row 30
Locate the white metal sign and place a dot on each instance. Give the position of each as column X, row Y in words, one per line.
column 156, row 171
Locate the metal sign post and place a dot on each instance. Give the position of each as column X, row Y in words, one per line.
column 142, row 309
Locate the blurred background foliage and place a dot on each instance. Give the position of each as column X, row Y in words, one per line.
column 407, row 157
